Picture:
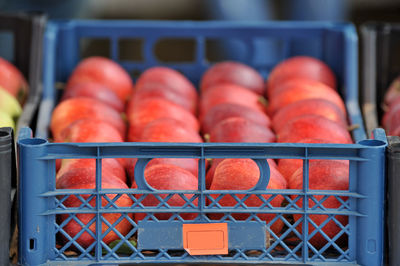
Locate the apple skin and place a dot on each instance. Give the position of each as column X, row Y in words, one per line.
column 188, row 164
column 6, row 120
column 9, row 104
column 394, row 121
column 229, row 93
column 391, row 118
column 81, row 178
column 233, row 73
column 395, row 132
column 171, row 80
column 301, row 89
column 109, row 167
column 96, row 91
column 309, row 106
column 313, row 126
column 146, row 111
column 300, row 67
column 104, row 71
column 323, row 175
column 392, row 92
column 156, row 90
column 227, row 110
column 168, row 177
column 12, row 80
column 288, row 166
column 74, row 109
column 243, row 174
column 394, row 102
column 211, row 171
column 238, row 129
column 90, row 130
column 168, row 130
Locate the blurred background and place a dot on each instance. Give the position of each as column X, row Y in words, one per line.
column 357, row 11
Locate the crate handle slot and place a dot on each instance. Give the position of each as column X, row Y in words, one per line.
column 139, row 174
column 32, row 244
column 264, row 174
column 143, row 185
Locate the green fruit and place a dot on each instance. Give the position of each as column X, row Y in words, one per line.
column 9, row 104
column 6, row 120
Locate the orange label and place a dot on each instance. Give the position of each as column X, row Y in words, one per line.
column 205, row 239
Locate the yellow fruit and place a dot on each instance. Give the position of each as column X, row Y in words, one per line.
column 6, row 120
column 9, row 104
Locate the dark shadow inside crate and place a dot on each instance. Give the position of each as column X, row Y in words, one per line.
column 7, row 45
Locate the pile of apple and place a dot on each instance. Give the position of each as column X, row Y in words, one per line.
column 13, row 92
column 232, row 109
column 163, row 109
column 391, row 119
column 303, row 106
column 92, row 110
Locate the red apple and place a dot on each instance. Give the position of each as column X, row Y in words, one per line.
column 238, row 129
column 391, row 118
column 393, row 91
column 168, row 177
column 216, row 161
column 90, row 130
column 313, row 126
column 96, row 91
column 288, row 166
column 300, row 67
column 104, row 71
column 394, row 121
column 142, row 113
column 189, row 164
column 74, row 109
column 233, row 73
column 12, row 80
column 243, row 174
column 157, row 90
column 168, row 130
column 395, row 132
column 81, row 178
column 227, row 110
column 308, row 106
column 323, row 175
column 110, row 167
column 301, row 89
column 229, row 93
column 394, row 102
column 171, row 80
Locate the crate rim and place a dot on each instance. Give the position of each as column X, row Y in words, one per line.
column 190, row 23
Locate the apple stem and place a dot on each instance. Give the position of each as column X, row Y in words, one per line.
column 206, row 137
column 263, row 101
column 59, row 85
column 385, row 107
column 124, row 117
column 352, row 127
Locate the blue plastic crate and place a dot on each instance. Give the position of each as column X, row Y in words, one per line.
column 161, row 241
